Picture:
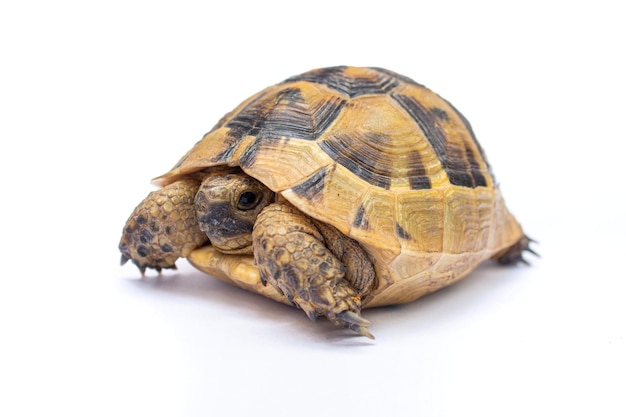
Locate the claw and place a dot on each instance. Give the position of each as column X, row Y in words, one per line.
column 515, row 253
column 124, row 259
column 355, row 322
column 362, row 331
column 351, row 318
column 309, row 311
column 528, row 249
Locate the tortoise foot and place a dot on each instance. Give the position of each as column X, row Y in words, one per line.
column 162, row 228
column 515, row 253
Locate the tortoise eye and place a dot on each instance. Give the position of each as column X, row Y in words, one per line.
column 248, row 200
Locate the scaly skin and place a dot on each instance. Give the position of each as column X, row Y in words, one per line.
column 293, row 257
column 163, row 228
column 359, row 267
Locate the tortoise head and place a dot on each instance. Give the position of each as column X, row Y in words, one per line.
column 227, row 206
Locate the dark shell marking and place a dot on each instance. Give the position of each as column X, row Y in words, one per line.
column 282, row 115
column 360, row 220
column 285, row 114
column 335, row 78
column 402, row 233
column 457, row 160
column 313, row 187
column 360, row 152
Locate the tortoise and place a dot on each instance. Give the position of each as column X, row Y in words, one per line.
column 334, row 190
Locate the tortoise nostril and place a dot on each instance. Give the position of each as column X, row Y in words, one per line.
column 201, row 203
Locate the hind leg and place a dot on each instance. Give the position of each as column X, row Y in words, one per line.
column 514, row 253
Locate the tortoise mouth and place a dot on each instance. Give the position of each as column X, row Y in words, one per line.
column 234, row 239
column 241, row 245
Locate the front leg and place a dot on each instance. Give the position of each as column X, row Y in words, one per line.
column 293, row 257
column 163, row 228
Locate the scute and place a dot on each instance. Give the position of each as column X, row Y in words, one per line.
column 457, row 157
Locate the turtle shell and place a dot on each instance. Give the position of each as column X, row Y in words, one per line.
column 378, row 156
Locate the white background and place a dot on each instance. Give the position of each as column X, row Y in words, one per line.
column 96, row 98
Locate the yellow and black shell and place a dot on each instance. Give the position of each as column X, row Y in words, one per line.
column 378, row 156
